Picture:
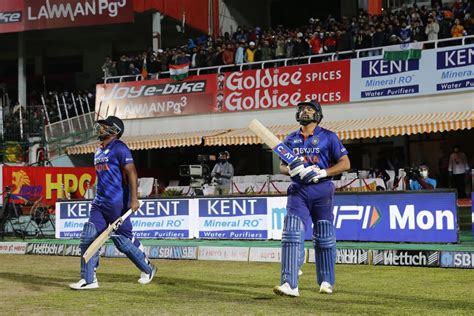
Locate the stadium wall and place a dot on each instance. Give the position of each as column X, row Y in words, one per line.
column 384, row 257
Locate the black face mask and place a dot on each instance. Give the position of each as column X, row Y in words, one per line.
column 222, row 160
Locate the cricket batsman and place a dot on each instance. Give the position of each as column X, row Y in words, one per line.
column 321, row 156
column 117, row 191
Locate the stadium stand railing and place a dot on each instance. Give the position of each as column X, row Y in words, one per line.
column 68, row 132
column 283, row 62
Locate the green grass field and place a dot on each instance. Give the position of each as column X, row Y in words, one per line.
column 38, row 285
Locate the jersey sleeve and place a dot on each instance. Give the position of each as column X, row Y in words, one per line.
column 337, row 148
column 124, row 155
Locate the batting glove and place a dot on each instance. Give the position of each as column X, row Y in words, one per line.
column 312, row 174
column 296, row 166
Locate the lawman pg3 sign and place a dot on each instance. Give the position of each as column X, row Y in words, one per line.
column 21, row 15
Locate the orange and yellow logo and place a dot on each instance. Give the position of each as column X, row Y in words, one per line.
column 19, row 179
column 375, row 217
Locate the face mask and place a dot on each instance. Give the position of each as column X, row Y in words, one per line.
column 424, row 174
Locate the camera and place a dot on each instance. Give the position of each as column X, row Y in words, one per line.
column 199, row 174
column 413, row 173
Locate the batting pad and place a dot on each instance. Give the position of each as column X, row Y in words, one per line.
column 88, row 235
column 134, row 251
column 293, row 234
column 324, row 240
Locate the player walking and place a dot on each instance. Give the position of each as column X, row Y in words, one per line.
column 117, row 190
column 311, row 193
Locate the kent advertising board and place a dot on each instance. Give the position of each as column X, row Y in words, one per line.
column 401, row 217
column 155, row 219
column 449, row 69
column 22, row 15
column 233, row 218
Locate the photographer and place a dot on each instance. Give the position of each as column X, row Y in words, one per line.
column 432, row 29
column 222, row 172
column 417, row 179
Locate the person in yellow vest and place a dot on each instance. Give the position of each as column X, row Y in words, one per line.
column 250, row 53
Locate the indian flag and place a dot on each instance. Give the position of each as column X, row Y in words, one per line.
column 403, row 51
column 179, row 72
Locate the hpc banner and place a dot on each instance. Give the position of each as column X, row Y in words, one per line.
column 429, row 217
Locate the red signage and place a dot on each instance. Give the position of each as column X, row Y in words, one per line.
column 157, row 98
column 20, row 15
column 260, row 89
column 47, row 183
column 282, row 87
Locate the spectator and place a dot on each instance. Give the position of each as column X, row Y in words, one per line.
column 280, row 47
column 229, row 55
column 418, row 32
column 457, row 30
column 330, row 43
column 432, row 29
column 132, row 70
column 113, row 69
column 250, row 53
column 405, row 34
column 458, row 170
column 378, row 38
column 240, row 54
column 107, row 66
column 314, row 44
column 267, row 53
column 154, row 65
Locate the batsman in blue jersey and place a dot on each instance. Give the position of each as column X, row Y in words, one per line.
column 117, row 191
column 321, row 156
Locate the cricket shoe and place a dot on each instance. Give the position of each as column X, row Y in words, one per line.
column 83, row 285
column 325, row 288
column 286, row 290
column 300, row 273
column 146, row 278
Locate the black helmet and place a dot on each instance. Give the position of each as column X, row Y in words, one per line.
column 114, row 127
column 318, row 115
column 224, row 153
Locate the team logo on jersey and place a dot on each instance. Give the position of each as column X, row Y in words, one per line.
column 106, row 151
column 297, row 141
column 315, row 140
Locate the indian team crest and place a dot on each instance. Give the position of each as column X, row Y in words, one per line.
column 315, row 140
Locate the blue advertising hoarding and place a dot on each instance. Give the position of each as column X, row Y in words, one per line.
column 233, row 218
column 428, row 217
column 157, row 218
column 401, row 217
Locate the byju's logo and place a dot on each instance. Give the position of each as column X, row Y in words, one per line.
column 10, row 17
column 369, row 215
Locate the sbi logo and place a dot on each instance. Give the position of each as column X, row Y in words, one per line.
column 447, row 259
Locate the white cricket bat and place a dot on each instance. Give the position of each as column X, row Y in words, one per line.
column 272, row 141
column 102, row 238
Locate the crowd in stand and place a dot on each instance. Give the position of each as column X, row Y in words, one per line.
column 33, row 117
column 318, row 36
